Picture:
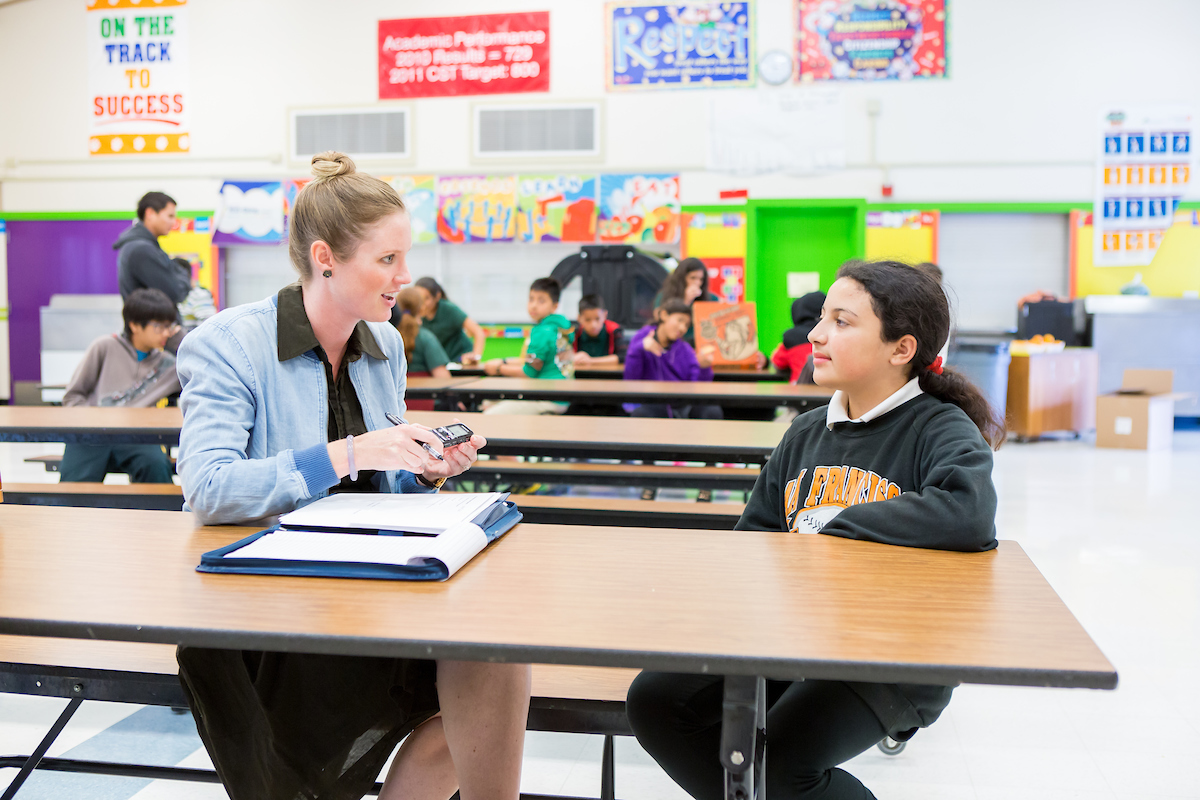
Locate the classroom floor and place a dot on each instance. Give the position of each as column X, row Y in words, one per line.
column 1115, row 532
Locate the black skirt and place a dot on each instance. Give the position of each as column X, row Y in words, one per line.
column 293, row 726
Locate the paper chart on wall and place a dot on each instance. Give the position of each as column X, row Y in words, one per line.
column 556, row 208
column 477, row 208
column 419, row 193
column 638, row 209
column 797, row 132
column 1144, row 163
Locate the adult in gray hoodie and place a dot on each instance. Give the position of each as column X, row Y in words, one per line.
column 141, row 263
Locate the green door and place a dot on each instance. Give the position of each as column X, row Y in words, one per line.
column 803, row 236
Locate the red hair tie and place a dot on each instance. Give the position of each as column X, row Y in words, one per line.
column 936, row 366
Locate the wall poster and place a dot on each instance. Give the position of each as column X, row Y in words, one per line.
column 449, row 56
column 556, row 208
column 138, row 77
column 477, row 208
column 701, row 45
column 192, row 238
column 1144, row 166
column 870, row 39
column 419, row 193
column 639, row 208
column 249, row 212
column 719, row 240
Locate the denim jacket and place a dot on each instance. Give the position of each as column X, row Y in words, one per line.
column 254, row 428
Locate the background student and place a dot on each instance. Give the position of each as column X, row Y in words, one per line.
column 688, row 283
column 284, row 401
column 143, row 264
column 462, row 337
column 661, row 354
column 598, row 340
column 128, row 369
column 795, row 351
column 423, row 353
column 902, row 455
column 548, row 353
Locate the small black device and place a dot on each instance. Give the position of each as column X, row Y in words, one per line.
column 452, row 434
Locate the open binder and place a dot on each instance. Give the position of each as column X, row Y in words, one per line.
column 414, row 537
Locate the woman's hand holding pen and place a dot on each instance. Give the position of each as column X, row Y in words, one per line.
column 398, row 447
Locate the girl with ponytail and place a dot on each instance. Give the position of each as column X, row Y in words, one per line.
column 901, row 456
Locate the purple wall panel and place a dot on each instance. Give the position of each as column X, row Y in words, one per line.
column 48, row 257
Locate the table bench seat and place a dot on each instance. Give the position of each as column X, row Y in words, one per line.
column 566, row 699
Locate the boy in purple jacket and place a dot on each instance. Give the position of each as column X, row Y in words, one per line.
column 658, row 352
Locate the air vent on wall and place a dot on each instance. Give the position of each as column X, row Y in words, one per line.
column 366, row 133
column 537, row 131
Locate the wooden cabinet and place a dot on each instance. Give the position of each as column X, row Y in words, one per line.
column 1052, row 392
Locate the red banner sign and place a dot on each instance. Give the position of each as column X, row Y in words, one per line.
column 481, row 54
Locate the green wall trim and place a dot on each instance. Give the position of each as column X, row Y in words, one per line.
column 68, row 215
column 985, row 208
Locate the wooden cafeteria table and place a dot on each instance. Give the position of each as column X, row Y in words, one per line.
column 616, row 371
column 626, row 438
column 761, row 395
column 567, row 437
column 648, row 598
column 90, row 425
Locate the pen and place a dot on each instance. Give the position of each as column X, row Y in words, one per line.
column 392, row 418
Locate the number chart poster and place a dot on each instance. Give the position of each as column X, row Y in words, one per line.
column 1144, row 167
column 556, row 208
column 449, row 56
column 138, row 77
column 637, row 209
column 700, row 45
column 477, row 208
column 871, row 39
column 419, row 193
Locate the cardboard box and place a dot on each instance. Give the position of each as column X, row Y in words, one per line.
column 1141, row 414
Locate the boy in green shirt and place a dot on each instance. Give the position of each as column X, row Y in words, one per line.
column 548, row 353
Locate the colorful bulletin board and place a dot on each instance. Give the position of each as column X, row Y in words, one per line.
column 908, row 236
column 871, row 39
column 699, row 45
column 556, row 208
column 138, row 78
column 719, row 240
column 480, row 54
column 638, row 209
column 192, row 238
column 249, row 212
column 477, row 208
column 1145, row 163
column 419, row 193
column 1174, row 272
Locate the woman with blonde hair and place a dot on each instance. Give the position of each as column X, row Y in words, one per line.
column 284, row 402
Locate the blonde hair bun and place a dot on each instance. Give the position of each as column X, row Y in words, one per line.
column 331, row 164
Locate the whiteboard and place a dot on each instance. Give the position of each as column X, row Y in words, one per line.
column 990, row 261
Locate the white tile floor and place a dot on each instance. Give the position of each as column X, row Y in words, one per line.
column 1117, row 533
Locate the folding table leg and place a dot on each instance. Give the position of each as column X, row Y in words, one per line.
column 743, row 736
column 608, row 771
column 32, row 762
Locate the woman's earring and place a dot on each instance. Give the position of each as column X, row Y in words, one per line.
column 328, row 273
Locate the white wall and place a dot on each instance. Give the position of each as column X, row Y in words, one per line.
column 1015, row 121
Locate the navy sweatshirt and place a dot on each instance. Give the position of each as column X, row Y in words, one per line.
column 919, row 476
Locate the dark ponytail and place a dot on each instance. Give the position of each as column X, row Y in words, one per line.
column 909, row 301
column 433, row 287
column 408, row 302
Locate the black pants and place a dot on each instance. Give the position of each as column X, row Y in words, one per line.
column 145, row 463
column 812, row 726
column 677, row 411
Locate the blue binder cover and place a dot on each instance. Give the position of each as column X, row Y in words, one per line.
column 495, row 522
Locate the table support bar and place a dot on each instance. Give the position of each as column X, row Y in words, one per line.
column 743, row 736
column 31, row 763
